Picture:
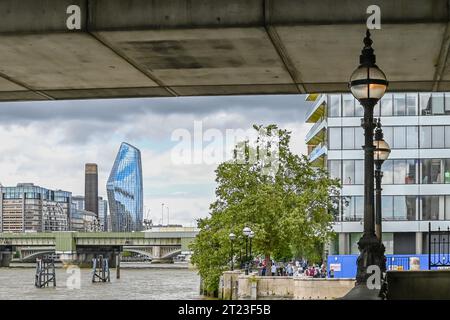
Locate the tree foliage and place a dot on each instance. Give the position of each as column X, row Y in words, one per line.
column 278, row 194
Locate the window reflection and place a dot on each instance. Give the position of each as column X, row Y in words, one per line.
column 430, row 207
column 334, row 138
column 399, row 105
column 348, row 105
column 432, row 171
column 348, row 172
column 334, row 105
column 386, row 105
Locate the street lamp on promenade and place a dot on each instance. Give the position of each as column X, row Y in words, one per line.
column 381, row 153
column 246, row 231
column 368, row 84
column 251, row 236
column 232, row 237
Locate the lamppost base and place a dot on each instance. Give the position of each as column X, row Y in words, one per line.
column 362, row 292
column 372, row 254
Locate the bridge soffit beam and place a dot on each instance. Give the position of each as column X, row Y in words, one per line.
column 26, row 86
column 443, row 54
column 280, row 48
column 97, row 36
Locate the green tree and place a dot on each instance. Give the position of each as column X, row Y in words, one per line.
column 278, row 194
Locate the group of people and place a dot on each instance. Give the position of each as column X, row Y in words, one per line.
column 295, row 268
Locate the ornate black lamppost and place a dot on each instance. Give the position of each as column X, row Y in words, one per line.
column 250, row 236
column 246, row 231
column 368, row 84
column 232, row 237
column 381, row 153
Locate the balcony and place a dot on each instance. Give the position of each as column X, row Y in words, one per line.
column 317, row 110
column 319, row 151
column 316, row 134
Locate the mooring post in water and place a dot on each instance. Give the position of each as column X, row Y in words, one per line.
column 118, row 266
column 45, row 272
column 100, row 269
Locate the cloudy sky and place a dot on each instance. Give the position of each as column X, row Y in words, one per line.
column 48, row 143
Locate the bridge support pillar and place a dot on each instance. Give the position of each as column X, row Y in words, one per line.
column 5, row 258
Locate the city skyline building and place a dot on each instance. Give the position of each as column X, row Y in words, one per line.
column 91, row 188
column 125, row 190
column 78, row 203
column 30, row 208
column 416, row 177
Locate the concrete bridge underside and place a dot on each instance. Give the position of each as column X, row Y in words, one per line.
column 163, row 48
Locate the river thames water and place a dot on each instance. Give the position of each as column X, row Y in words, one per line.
column 148, row 284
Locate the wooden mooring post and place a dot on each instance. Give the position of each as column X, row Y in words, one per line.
column 45, row 272
column 100, row 269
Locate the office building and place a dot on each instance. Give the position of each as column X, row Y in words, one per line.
column 78, row 203
column 416, row 177
column 124, row 188
column 27, row 207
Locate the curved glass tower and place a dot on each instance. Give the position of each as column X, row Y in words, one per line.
column 124, row 188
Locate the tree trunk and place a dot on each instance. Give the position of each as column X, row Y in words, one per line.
column 268, row 265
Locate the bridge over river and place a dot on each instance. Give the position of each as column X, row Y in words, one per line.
column 80, row 247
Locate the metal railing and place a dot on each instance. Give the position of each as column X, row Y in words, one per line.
column 438, row 248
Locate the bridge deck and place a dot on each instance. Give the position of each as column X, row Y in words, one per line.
column 140, row 48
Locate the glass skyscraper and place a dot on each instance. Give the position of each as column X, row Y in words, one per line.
column 124, row 188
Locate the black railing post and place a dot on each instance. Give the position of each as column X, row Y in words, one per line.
column 429, row 245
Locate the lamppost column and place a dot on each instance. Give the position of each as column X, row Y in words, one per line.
column 378, row 189
column 368, row 126
column 232, row 262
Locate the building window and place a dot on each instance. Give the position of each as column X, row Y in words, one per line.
column 334, row 169
column 411, row 169
column 359, row 138
column 334, row 138
column 411, row 104
column 446, row 170
column 387, row 207
column 386, row 105
column 348, row 173
column 388, row 172
column 359, row 171
column 348, row 105
column 359, row 109
column 432, row 171
column 447, row 103
column 437, row 103
column 425, row 104
column 430, row 207
column 348, row 208
column 399, row 171
column 399, row 138
column 425, row 137
column 437, row 137
column 348, row 138
column 399, row 105
column 334, row 105
column 376, row 110
column 388, row 136
column 447, row 207
column 359, row 207
column 412, row 137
